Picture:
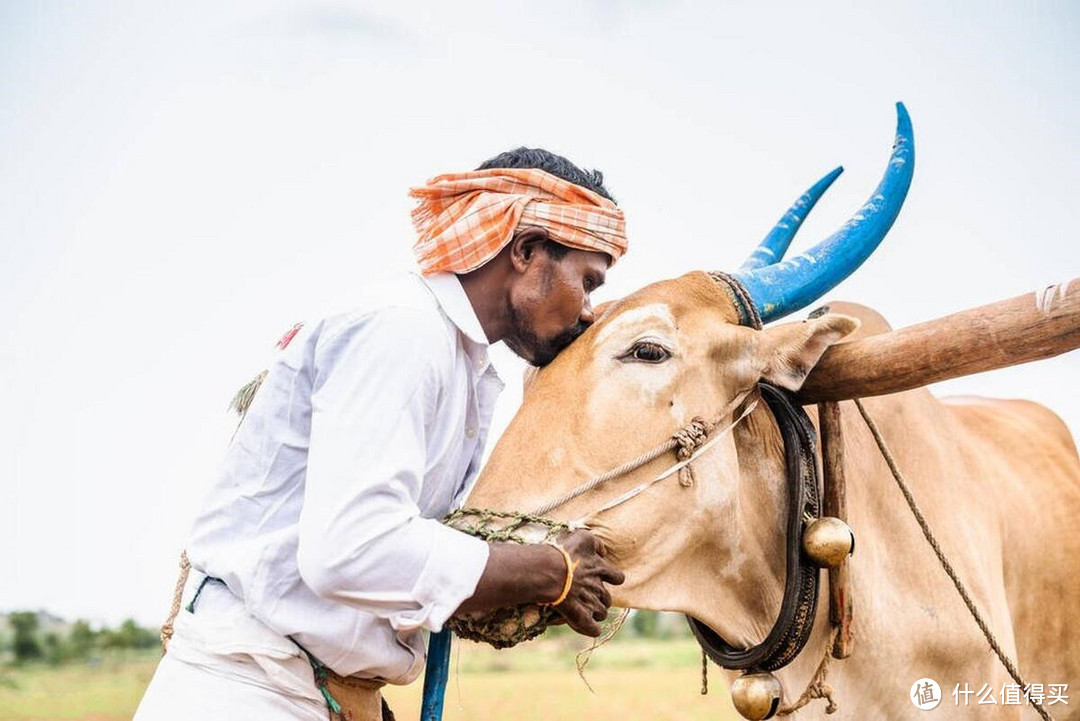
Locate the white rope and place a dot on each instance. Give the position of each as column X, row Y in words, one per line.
column 642, row 487
column 643, row 459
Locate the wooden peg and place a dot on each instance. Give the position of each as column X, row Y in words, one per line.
column 834, row 501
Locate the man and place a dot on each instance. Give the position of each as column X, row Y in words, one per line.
column 319, row 553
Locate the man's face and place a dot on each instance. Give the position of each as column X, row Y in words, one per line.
column 550, row 304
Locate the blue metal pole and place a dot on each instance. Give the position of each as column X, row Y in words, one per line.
column 435, row 676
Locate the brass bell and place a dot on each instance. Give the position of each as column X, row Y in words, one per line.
column 756, row 695
column 827, row 541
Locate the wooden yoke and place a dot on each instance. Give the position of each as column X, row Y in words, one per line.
column 834, row 503
column 1023, row 329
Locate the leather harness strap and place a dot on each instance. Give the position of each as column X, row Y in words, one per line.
column 799, row 606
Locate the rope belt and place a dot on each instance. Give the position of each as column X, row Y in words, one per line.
column 178, row 592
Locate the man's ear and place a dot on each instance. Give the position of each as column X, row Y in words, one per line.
column 793, row 349
column 525, row 245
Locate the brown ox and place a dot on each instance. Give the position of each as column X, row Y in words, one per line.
column 999, row 482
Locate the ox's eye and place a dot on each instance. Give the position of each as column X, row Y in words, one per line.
column 648, row 352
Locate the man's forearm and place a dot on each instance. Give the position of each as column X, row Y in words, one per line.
column 517, row 574
column 538, row 574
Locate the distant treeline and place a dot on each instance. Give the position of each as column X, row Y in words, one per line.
column 37, row 636
column 660, row 625
column 29, row 636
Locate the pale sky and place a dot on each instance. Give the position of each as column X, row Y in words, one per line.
column 181, row 182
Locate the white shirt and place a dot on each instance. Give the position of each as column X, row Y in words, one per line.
column 368, row 428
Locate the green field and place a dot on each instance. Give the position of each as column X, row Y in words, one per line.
column 632, row 680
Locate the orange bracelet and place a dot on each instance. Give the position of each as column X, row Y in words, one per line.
column 571, row 566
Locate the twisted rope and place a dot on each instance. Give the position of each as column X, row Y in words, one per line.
column 601, row 479
column 744, row 302
column 246, row 395
column 178, row 592
column 932, row 540
column 689, row 439
column 817, row 688
column 609, row 631
column 479, row 522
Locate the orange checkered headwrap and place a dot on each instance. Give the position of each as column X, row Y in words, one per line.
column 465, row 219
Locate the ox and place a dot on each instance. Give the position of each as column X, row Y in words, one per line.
column 999, row 481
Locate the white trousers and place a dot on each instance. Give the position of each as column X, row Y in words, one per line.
column 224, row 664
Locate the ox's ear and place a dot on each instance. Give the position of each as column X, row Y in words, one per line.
column 793, row 349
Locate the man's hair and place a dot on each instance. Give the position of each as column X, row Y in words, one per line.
column 558, row 166
column 549, row 162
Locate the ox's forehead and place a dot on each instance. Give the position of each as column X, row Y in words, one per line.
column 656, row 315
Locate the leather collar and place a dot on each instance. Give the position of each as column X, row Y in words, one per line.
column 797, row 611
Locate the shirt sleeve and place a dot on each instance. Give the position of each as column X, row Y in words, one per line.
column 376, row 387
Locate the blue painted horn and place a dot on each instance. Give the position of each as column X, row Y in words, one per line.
column 784, row 286
column 772, row 248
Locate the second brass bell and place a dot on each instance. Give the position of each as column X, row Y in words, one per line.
column 756, row 696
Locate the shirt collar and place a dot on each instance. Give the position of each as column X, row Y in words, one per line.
column 455, row 303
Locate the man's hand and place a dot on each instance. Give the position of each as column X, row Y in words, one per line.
column 589, row 599
column 536, row 573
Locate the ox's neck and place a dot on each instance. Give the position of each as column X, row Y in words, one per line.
column 742, row 603
column 730, row 548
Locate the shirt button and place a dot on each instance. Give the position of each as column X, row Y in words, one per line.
column 470, row 432
column 480, row 363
